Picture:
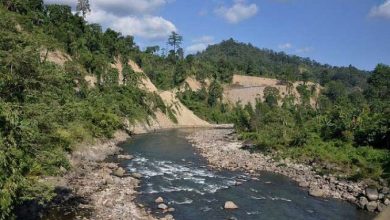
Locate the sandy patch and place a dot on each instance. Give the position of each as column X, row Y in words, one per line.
column 55, row 56
column 91, row 81
column 247, row 89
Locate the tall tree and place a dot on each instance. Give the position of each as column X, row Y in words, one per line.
column 175, row 40
column 180, row 53
column 215, row 93
column 83, row 7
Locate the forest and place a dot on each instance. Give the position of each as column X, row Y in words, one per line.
column 45, row 109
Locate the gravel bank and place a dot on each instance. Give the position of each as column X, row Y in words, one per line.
column 105, row 190
column 223, row 151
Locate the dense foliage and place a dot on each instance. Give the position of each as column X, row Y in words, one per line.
column 230, row 57
column 45, row 109
column 348, row 133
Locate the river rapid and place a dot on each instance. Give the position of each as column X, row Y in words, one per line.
column 171, row 168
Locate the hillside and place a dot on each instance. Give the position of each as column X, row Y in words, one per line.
column 65, row 83
column 231, row 57
column 249, row 89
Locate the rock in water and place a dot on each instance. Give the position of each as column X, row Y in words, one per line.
column 230, row 205
column 162, row 206
column 371, row 206
column 385, row 190
column 316, row 192
column 372, row 194
column 125, row 157
column 120, row 172
column 381, row 207
column 303, row 184
column 137, row 175
column 363, row 202
column 168, row 217
column 159, row 200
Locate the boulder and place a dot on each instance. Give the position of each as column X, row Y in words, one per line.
column 385, row 190
column 168, row 217
column 332, row 179
column 387, row 202
column 108, row 203
column 125, row 157
column 162, row 206
column 112, row 165
column 348, row 197
column 159, row 200
column 372, row 194
column 136, row 175
column 238, row 183
column 303, row 184
column 372, row 206
column 171, row 209
column 363, row 202
column 316, row 192
column 230, row 205
column 120, row 172
column 381, row 207
column 108, row 180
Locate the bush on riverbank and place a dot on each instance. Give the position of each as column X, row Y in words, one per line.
column 45, row 109
column 346, row 133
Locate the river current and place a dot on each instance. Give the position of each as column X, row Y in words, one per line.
column 171, row 168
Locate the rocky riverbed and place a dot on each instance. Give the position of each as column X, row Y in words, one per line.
column 223, row 150
column 104, row 190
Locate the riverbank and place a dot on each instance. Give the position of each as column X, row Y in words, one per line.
column 223, row 151
column 94, row 188
column 103, row 188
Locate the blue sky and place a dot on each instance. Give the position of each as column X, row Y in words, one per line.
column 337, row 32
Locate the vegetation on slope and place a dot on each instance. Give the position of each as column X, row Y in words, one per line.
column 45, row 109
column 230, row 57
column 348, row 133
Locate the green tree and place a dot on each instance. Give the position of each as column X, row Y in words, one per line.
column 175, row 40
column 152, row 50
column 271, row 96
column 180, row 53
column 215, row 93
column 180, row 73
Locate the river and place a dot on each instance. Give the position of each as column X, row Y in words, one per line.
column 172, row 169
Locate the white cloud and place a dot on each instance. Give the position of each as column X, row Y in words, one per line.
column 150, row 27
column 130, row 17
column 285, row 46
column 200, row 44
column 304, row 50
column 382, row 10
column 239, row 11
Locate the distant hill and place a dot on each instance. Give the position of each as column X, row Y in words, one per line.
column 232, row 57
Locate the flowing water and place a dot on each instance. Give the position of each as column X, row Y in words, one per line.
column 172, row 169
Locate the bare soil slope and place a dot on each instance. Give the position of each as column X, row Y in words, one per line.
column 247, row 89
column 184, row 116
